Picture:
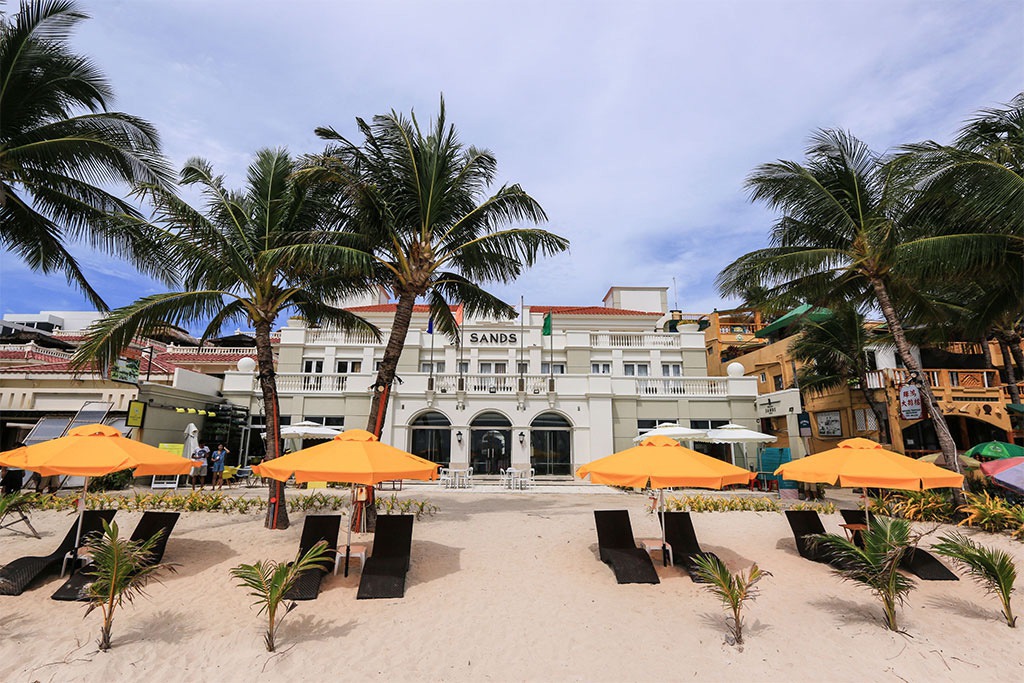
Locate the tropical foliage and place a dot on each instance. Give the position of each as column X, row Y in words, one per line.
column 248, row 257
column 992, row 568
column 732, row 589
column 60, row 149
column 269, row 581
column 875, row 565
column 121, row 569
column 417, row 200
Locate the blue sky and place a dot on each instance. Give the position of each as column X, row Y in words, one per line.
column 634, row 124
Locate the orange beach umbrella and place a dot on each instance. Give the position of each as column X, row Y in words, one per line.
column 665, row 463
column 863, row 462
column 355, row 457
column 93, row 451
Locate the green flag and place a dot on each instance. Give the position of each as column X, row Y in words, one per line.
column 546, row 330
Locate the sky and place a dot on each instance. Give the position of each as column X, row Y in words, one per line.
column 634, row 124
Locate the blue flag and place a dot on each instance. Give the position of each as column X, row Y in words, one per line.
column 430, row 325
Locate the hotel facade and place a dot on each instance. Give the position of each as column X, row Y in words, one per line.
column 509, row 394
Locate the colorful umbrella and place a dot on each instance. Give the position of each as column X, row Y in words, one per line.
column 967, row 460
column 352, row 457
column 661, row 462
column 996, row 466
column 1007, row 473
column 93, row 451
column 995, row 450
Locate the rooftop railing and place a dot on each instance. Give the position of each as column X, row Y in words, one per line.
column 635, row 340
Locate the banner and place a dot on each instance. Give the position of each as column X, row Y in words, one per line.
column 125, row 370
column 136, row 414
column 910, row 402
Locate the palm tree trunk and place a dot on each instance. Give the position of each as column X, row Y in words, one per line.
column 903, row 347
column 1010, row 373
column 388, row 365
column 277, row 510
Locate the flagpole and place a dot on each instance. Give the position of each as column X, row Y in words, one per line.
column 522, row 332
column 430, row 331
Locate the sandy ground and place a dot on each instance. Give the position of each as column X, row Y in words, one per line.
column 507, row 587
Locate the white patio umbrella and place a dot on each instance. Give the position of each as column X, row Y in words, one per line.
column 191, row 442
column 672, row 431
column 307, row 429
column 733, row 434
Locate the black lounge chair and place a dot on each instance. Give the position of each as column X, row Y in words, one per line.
column 77, row 587
column 618, row 548
column 383, row 574
column 316, row 528
column 17, row 575
column 917, row 561
column 805, row 524
column 679, row 534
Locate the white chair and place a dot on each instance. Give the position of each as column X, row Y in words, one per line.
column 467, row 481
column 444, row 478
column 526, row 478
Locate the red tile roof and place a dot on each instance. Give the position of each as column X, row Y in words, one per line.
column 64, row 367
column 390, row 308
column 28, row 356
column 590, row 310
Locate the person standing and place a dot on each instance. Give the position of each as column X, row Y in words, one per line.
column 199, row 466
column 217, row 459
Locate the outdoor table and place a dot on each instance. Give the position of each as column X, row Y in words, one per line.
column 652, row 544
column 852, row 529
column 460, row 477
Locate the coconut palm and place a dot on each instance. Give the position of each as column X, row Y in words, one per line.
column 990, row 567
column 270, row 581
column 833, row 353
column 732, row 589
column 842, row 238
column 60, row 148
column 417, row 201
column 876, row 564
column 248, row 257
column 121, row 569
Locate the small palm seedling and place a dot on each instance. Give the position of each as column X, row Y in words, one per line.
column 732, row 589
column 270, row 581
column 992, row 568
column 121, row 568
column 875, row 566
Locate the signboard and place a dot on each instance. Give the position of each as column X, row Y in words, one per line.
column 910, row 402
column 161, row 481
column 125, row 370
column 804, row 421
column 830, row 423
column 136, row 414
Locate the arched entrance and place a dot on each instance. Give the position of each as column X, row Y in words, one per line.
column 551, row 445
column 430, row 437
column 490, row 443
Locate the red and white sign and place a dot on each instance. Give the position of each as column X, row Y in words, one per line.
column 910, row 402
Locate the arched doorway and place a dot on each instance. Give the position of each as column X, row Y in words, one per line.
column 490, row 443
column 551, row 445
column 430, row 437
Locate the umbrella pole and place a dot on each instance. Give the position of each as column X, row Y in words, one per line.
column 348, row 543
column 661, row 519
column 78, row 530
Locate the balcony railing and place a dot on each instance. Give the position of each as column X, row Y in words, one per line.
column 641, row 340
column 489, row 384
column 683, row 386
column 310, row 383
column 327, row 336
column 32, row 347
column 940, row 380
column 211, row 350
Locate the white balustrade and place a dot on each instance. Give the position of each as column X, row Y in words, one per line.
column 682, row 386
column 639, row 340
column 32, row 347
column 329, row 336
column 310, row 383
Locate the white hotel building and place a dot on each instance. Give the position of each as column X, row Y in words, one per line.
column 511, row 395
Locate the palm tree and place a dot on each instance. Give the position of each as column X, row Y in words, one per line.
column 249, row 257
column 732, row 589
column 992, row 568
column 417, row 202
column 59, row 148
column 842, row 238
column 876, row 565
column 833, row 353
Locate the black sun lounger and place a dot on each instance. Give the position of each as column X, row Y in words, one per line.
column 806, row 523
column 618, row 549
column 17, row 575
column 680, row 535
column 316, row 528
column 383, row 575
column 917, row 561
column 76, row 587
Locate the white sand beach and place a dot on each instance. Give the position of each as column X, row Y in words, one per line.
column 508, row 587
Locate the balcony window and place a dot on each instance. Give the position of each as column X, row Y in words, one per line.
column 349, row 366
column 427, row 366
column 522, row 368
column 600, row 368
column 671, row 370
column 552, row 368
column 636, row 369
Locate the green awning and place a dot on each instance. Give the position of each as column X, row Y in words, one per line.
column 1016, row 407
column 806, row 311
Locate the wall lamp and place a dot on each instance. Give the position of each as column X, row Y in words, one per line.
column 522, row 437
column 458, row 436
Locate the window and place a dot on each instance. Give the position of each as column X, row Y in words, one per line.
column 488, row 368
column 720, row 451
column 866, row 420
column 522, row 368
column 644, row 426
column 312, row 367
column 764, row 378
column 349, row 366
column 871, row 360
column 777, row 381
column 463, row 367
column 671, row 370
column 430, row 437
column 899, row 361
column 636, row 369
column 490, row 443
column 600, row 368
column 551, row 445
column 552, row 369
column 437, row 366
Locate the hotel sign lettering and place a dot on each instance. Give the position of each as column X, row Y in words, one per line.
column 910, row 402
column 500, row 338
